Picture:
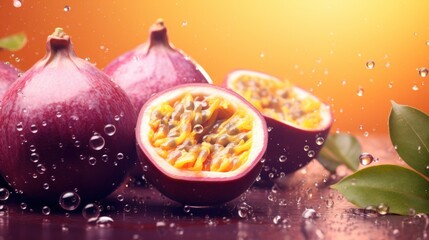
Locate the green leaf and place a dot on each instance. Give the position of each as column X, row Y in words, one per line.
column 340, row 148
column 13, row 42
column 398, row 187
column 409, row 133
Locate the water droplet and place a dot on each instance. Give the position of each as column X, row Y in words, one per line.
column 69, row 201
column 67, row 8
column 186, row 208
column 34, row 157
column 92, row 161
column 97, row 142
column 77, row 143
column 415, row 87
column 423, row 72
column 19, row 127
column 390, row 84
column 44, row 123
column 282, row 158
column 160, row 224
column 366, row 159
column 370, row 64
column 91, row 212
column 33, row 128
column 120, row 156
column 277, row 219
column 117, row 118
column 23, row 206
column 244, row 210
column 382, row 209
column 306, row 148
column 310, row 213
column 46, row 186
column 104, row 157
column 311, row 153
column 110, row 129
column 184, row 23
column 104, row 221
column 198, row 128
column 58, row 114
column 120, row 197
column 360, row 91
column 17, row 3
column 370, row 211
column 329, row 203
column 343, row 82
column 320, row 141
column 262, row 55
column 269, row 129
column 46, row 210
column 41, row 169
column 4, row 194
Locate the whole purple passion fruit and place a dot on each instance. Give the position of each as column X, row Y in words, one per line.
column 66, row 127
column 154, row 66
column 298, row 122
column 200, row 144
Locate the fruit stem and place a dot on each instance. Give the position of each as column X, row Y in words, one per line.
column 58, row 39
column 158, row 33
column 59, row 33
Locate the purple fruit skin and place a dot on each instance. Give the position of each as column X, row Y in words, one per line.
column 152, row 67
column 8, row 75
column 60, row 100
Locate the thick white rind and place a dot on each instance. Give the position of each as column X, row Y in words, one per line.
column 259, row 133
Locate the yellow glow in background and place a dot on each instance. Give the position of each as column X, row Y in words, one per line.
column 322, row 46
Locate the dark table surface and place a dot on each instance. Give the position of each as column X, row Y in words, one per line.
column 300, row 206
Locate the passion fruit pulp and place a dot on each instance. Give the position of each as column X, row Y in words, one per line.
column 298, row 122
column 200, row 144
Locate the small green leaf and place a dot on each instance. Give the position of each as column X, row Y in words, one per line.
column 340, row 148
column 409, row 133
column 398, row 187
column 13, row 42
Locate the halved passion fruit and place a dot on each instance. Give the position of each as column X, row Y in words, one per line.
column 298, row 122
column 200, row 144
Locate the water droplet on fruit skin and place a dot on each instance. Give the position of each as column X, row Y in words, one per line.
column 282, row 158
column 383, row 209
column 67, row 8
column 320, row 141
column 186, row 208
column 110, row 129
column 34, row 157
column 33, row 128
column 415, row 87
column 19, row 126
column 4, row 194
column 366, row 159
column 97, row 142
column 69, row 200
column 92, row 161
column 23, row 206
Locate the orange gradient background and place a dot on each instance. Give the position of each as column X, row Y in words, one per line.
column 322, row 46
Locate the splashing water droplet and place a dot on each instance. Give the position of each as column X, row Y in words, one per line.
column 366, row 159
column 360, row 91
column 110, row 129
column 17, row 3
column 69, row 201
column 370, row 64
column 97, row 142
column 423, row 72
column 4, row 194
column 67, row 8
column 91, row 212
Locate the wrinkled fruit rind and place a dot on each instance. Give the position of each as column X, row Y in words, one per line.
column 200, row 187
column 291, row 146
